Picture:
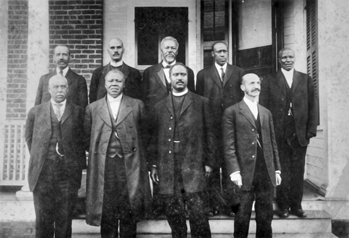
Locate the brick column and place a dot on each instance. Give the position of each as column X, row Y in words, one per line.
column 38, row 60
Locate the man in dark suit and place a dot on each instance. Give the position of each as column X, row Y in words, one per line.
column 57, row 156
column 133, row 78
column 77, row 93
column 117, row 176
column 156, row 80
column 156, row 86
column 220, row 83
column 251, row 158
column 182, row 154
column 290, row 96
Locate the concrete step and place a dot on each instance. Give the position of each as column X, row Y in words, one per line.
column 317, row 224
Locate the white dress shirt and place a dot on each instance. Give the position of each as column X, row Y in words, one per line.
column 253, row 106
column 219, row 69
column 288, row 76
column 64, row 71
column 114, row 104
column 61, row 109
column 167, row 70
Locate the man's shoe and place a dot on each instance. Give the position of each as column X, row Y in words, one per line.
column 299, row 213
column 283, row 213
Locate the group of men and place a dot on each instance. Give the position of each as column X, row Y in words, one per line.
column 197, row 143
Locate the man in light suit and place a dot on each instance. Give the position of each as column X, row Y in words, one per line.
column 290, row 96
column 182, row 154
column 77, row 93
column 156, row 86
column 117, row 176
column 251, row 158
column 220, row 83
column 54, row 135
column 133, row 78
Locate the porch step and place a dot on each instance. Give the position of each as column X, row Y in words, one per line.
column 317, row 224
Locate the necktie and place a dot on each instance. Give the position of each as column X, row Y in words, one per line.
column 58, row 111
column 167, row 66
column 222, row 74
column 61, row 72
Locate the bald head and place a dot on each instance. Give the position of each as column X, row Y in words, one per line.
column 251, row 85
column 116, row 49
column 58, row 88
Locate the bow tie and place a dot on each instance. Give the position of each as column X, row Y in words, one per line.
column 167, row 66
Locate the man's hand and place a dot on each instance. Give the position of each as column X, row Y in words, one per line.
column 154, row 175
column 278, row 179
column 208, row 171
column 236, row 178
column 310, row 135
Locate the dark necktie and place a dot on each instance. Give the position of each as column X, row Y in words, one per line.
column 222, row 75
column 61, row 72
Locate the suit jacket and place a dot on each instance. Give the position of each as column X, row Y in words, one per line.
column 240, row 142
column 154, row 84
column 38, row 133
column 98, row 131
column 194, row 127
column 77, row 92
column 132, row 88
column 304, row 103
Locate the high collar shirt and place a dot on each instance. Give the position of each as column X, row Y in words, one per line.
column 114, row 104
column 289, row 76
column 61, row 109
column 65, row 70
column 219, row 69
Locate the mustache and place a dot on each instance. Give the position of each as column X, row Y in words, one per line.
column 172, row 54
column 255, row 90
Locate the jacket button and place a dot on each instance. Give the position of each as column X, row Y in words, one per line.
column 253, row 156
column 170, row 152
column 134, row 149
column 252, row 129
column 252, row 143
column 169, row 139
column 171, row 118
column 170, row 128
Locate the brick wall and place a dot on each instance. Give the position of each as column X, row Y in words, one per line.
column 79, row 25
column 17, row 59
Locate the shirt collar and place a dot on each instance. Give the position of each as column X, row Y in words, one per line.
column 288, row 73
column 164, row 64
column 65, row 70
column 250, row 103
column 116, row 64
column 63, row 103
column 218, row 67
column 181, row 93
column 112, row 100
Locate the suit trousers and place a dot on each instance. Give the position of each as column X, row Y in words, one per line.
column 262, row 192
column 292, row 159
column 54, row 200
column 116, row 202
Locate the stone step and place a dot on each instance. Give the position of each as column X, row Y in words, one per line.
column 317, row 224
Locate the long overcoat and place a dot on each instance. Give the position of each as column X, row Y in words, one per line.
column 197, row 143
column 98, row 131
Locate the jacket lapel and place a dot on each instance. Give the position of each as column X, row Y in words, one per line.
column 160, row 76
column 103, row 111
column 280, row 81
column 228, row 73
column 66, row 113
column 125, row 70
column 169, row 105
column 47, row 113
column 295, row 80
column 245, row 110
column 188, row 100
column 124, row 110
column 68, row 76
column 215, row 76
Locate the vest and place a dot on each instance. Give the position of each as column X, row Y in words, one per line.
column 289, row 125
column 261, row 171
column 52, row 154
column 114, row 146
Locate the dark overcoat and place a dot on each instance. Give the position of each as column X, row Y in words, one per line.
column 220, row 96
column 132, row 88
column 38, row 133
column 304, row 103
column 76, row 94
column 240, row 142
column 194, row 127
column 98, row 131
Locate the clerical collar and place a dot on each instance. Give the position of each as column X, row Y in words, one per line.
column 116, row 64
column 62, row 103
column 65, row 70
column 164, row 64
column 218, row 67
column 180, row 93
column 111, row 99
